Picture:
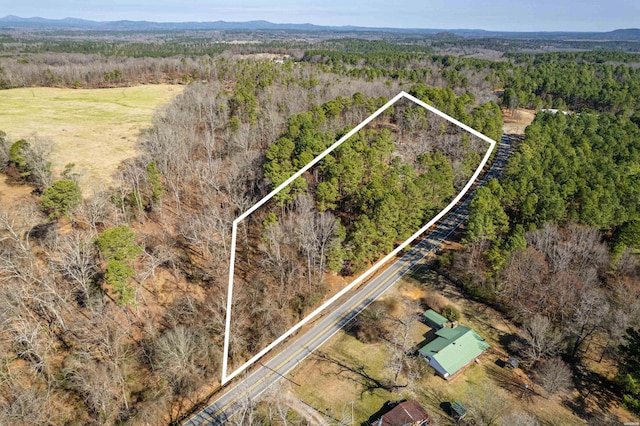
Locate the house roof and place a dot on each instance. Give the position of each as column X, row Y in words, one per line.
column 434, row 319
column 405, row 413
column 454, row 347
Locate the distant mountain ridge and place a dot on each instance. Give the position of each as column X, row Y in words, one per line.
column 12, row 21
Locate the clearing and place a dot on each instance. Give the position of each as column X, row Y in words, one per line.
column 13, row 195
column 96, row 129
column 517, row 120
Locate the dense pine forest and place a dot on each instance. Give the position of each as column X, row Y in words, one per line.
column 112, row 306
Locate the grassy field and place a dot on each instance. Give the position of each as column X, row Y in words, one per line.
column 94, row 128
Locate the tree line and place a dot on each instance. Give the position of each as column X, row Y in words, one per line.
column 571, row 85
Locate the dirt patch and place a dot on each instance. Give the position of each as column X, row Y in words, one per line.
column 13, row 195
column 96, row 129
column 412, row 291
column 310, row 414
column 516, row 121
column 336, row 282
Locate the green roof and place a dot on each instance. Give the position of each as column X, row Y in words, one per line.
column 434, row 319
column 454, row 348
column 459, row 410
column 452, row 333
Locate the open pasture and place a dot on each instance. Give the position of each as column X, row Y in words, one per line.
column 94, row 128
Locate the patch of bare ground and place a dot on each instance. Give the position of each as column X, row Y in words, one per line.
column 13, row 195
column 261, row 56
column 307, row 412
column 515, row 121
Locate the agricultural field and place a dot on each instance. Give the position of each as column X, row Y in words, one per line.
column 96, row 129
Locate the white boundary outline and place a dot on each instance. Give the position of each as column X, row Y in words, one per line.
column 226, row 378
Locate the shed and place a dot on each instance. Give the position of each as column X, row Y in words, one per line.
column 434, row 319
column 458, row 411
column 512, row 363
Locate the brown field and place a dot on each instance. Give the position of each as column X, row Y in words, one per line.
column 516, row 123
column 96, row 129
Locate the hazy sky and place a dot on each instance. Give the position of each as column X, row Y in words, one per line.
column 517, row 15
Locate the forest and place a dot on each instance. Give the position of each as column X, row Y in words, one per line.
column 555, row 243
column 112, row 306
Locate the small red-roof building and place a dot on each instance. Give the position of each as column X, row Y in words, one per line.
column 407, row 413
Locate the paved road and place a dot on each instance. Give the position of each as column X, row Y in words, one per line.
column 256, row 382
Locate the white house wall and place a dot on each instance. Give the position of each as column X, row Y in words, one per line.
column 436, row 366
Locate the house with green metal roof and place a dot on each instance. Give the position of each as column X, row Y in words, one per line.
column 453, row 349
column 434, row 319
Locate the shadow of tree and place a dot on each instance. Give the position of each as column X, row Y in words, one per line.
column 357, row 373
column 511, row 381
column 427, row 337
column 438, row 399
column 596, row 395
column 507, row 339
column 386, row 407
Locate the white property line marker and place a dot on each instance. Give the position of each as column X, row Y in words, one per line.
column 226, row 378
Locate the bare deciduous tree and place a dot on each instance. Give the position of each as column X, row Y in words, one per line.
column 98, row 383
column 487, row 403
column 400, row 343
column 555, row 376
column 22, row 404
column 176, row 359
column 587, row 317
column 541, row 339
column 77, row 263
column 38, row 160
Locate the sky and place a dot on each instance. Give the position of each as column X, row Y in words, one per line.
column 502, row 15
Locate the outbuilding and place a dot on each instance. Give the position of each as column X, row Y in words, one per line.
column 434, row 319
column 407, row 413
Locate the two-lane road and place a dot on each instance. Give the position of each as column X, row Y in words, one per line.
column 273, row 370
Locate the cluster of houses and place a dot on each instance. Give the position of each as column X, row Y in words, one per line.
column 449, row 349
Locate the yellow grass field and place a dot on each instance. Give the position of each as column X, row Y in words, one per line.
column 94, row 128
